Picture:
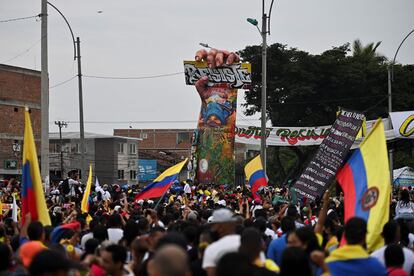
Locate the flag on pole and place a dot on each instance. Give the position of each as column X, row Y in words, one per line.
column 255, row 175
column 162, row 183
column 87, row 192
column 33, row 198
column 14, row 211
column 365, row 180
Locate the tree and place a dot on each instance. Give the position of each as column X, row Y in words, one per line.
column 307, row 90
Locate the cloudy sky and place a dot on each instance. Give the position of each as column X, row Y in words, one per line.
column 138, row 38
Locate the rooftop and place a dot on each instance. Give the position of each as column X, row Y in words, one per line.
column 88, row 135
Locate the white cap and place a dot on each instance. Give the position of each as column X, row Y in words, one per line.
column 221, row 215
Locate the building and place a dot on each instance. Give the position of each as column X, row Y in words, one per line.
column 114, row 159
column 19, row 88
column 170, row 146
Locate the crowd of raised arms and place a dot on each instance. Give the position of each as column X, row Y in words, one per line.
column 199, row 230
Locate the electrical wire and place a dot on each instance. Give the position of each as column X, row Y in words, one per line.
column 141, row 122
column 133, row 78
column 62, row 83
column 331, row 101
column 23, row 52
column 19, row 18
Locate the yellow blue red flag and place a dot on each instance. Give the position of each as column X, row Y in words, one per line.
column 162, row 183
column 255, row 175
column 365, row 180
column 33, row 198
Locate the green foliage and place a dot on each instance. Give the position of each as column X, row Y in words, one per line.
column 307, row 90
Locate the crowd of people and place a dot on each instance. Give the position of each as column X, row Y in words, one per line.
column 200, row 230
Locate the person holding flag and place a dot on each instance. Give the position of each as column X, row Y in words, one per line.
column 33, row 198
column 255, row 175
column 160, row 185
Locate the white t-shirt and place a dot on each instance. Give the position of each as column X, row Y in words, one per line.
column 72, row 185
column 115, row 234
column 187, row 188
column 402, row 208
column 408, row 258
column 218, row 249
column 269, row 232
column 85, row 238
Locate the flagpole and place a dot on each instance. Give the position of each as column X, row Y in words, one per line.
column 161, row 198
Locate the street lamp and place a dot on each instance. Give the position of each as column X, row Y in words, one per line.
column 265, row 30
column 390, row 69
column 77, row 56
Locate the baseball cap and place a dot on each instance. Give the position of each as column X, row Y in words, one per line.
column 221, row 215
column 28, row 250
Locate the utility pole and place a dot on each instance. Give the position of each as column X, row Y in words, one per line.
column 263, row 100
column 61, row 124
column 81, row 125
column 263, row 33
column 44, row 84
column 390, row 150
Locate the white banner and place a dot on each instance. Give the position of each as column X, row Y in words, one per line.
column 403, row 123
column 295, row 136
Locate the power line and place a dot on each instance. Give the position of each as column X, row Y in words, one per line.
column 23, row 52
column 62, row 83
column 144, row 122
column 133, row 78
column 19, row 18
column 331, row 101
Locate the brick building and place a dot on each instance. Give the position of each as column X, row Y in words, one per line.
column 167, row 146
column 19, row 87
column 170, row 146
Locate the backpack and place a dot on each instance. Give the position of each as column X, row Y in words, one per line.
column 65, row 186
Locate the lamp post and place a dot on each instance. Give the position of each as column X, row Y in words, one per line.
column 390, row 69
column 77, row 56
column 263, row 32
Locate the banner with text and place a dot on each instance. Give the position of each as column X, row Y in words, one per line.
column 293, row 136
column 331, row 153
column 403, row 123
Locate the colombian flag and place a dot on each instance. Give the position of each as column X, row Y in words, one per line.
column 162, row 183
column 255, row 175
column 33, row 198
column 365, row 180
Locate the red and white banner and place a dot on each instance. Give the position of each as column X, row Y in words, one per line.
column 295, row 136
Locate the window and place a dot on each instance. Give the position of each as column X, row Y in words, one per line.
column 16, row 109
column 76, row 148
column 183, row 137
column 144, row 135
column 132, row 175
column 121, row 148
column 132, row 148
column 54, row 148
column 120, row 174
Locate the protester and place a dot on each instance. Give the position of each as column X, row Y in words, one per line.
column 392, row 235
column 352, row 259
column 394, row 260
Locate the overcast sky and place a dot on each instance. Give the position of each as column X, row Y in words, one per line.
column 133, row 38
